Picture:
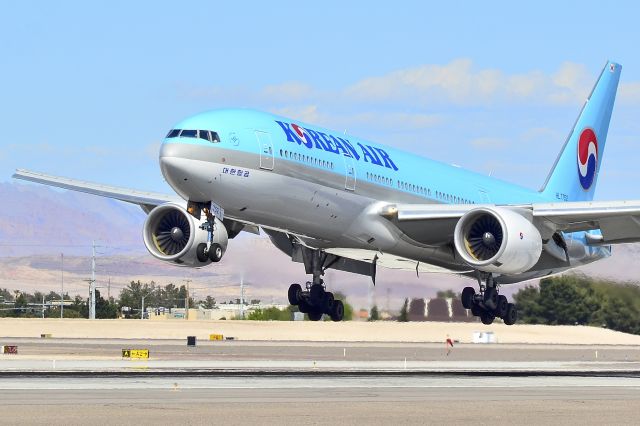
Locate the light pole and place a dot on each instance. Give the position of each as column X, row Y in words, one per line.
column 142, row 307
column 61, row 285
column 186, row 301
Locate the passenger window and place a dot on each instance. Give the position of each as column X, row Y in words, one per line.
column 188, row 134
column 173, row 133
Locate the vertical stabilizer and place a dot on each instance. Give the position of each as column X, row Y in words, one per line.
column 575, row 173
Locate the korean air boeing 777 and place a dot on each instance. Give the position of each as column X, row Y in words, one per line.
column 331, row 201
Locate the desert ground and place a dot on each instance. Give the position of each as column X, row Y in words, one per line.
column 348, row 331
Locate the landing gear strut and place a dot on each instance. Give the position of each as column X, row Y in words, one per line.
column 314, row 300
column 209, row 250
column 488, row 304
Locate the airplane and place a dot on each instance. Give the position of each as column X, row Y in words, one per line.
column 333, row 201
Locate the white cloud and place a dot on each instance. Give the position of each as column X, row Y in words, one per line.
column 305, row 113
column 460, row 82
column 629, row 93
column 523, row 86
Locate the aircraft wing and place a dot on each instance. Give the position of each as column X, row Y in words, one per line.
column 433, row 224
column 619, row 221
column 146, row 200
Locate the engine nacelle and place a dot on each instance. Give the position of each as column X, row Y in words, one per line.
column 171, row 234
column 497, row 240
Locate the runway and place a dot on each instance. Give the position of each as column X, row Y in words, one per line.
column 175, row 357
column 289, row 399
column 68, row 381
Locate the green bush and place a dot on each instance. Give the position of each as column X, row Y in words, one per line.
column 577, row 299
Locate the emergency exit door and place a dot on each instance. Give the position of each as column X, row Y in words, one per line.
column 350, row 173
column 266, row 150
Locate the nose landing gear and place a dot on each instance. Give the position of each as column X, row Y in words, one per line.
column 209, row 250
column 488, row 304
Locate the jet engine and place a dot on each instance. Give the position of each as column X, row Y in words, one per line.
column 171, row 234
column 498, row 240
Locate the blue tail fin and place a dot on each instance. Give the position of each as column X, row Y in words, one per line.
column 575, row 173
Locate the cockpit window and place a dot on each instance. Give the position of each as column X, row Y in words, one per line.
column 202, row 134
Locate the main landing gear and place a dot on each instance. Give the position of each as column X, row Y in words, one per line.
column 314, row 300
column 488, row 304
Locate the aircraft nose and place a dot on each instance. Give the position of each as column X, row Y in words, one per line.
column 173, row 162
column 178, row 170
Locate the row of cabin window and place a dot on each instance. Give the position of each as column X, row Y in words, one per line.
column 207, row 135
column 414, row 188
column 452, row 198
column 306, row 159
column 427, row 192
column 379, row 179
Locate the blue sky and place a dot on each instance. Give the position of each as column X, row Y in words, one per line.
column 90, row 88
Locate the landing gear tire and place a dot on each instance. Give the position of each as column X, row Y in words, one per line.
column 467, row 297
column 201, row 252
column 304, row 307
column 337, row 311
column 487, row 318
column 315, row 315
column 215, row 252
column 316, row 294
column 476, row 310
column 489, row 304
column 502, row 307
column 328, row 303
column 491, row 298
column 294, row 293
column 512, row 315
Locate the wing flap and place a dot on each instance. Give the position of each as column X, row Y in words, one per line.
column 618, row 221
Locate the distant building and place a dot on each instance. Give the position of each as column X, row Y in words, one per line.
column 221, row 311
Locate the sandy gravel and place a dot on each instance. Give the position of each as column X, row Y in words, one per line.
column 310, row 331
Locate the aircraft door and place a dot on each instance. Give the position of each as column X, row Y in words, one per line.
column 350, row 173
column 266, row 150
column 484, row 196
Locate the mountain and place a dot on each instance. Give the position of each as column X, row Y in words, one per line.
column 37, row 219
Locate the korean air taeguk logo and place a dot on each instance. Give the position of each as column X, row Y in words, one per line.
column 587, row 157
